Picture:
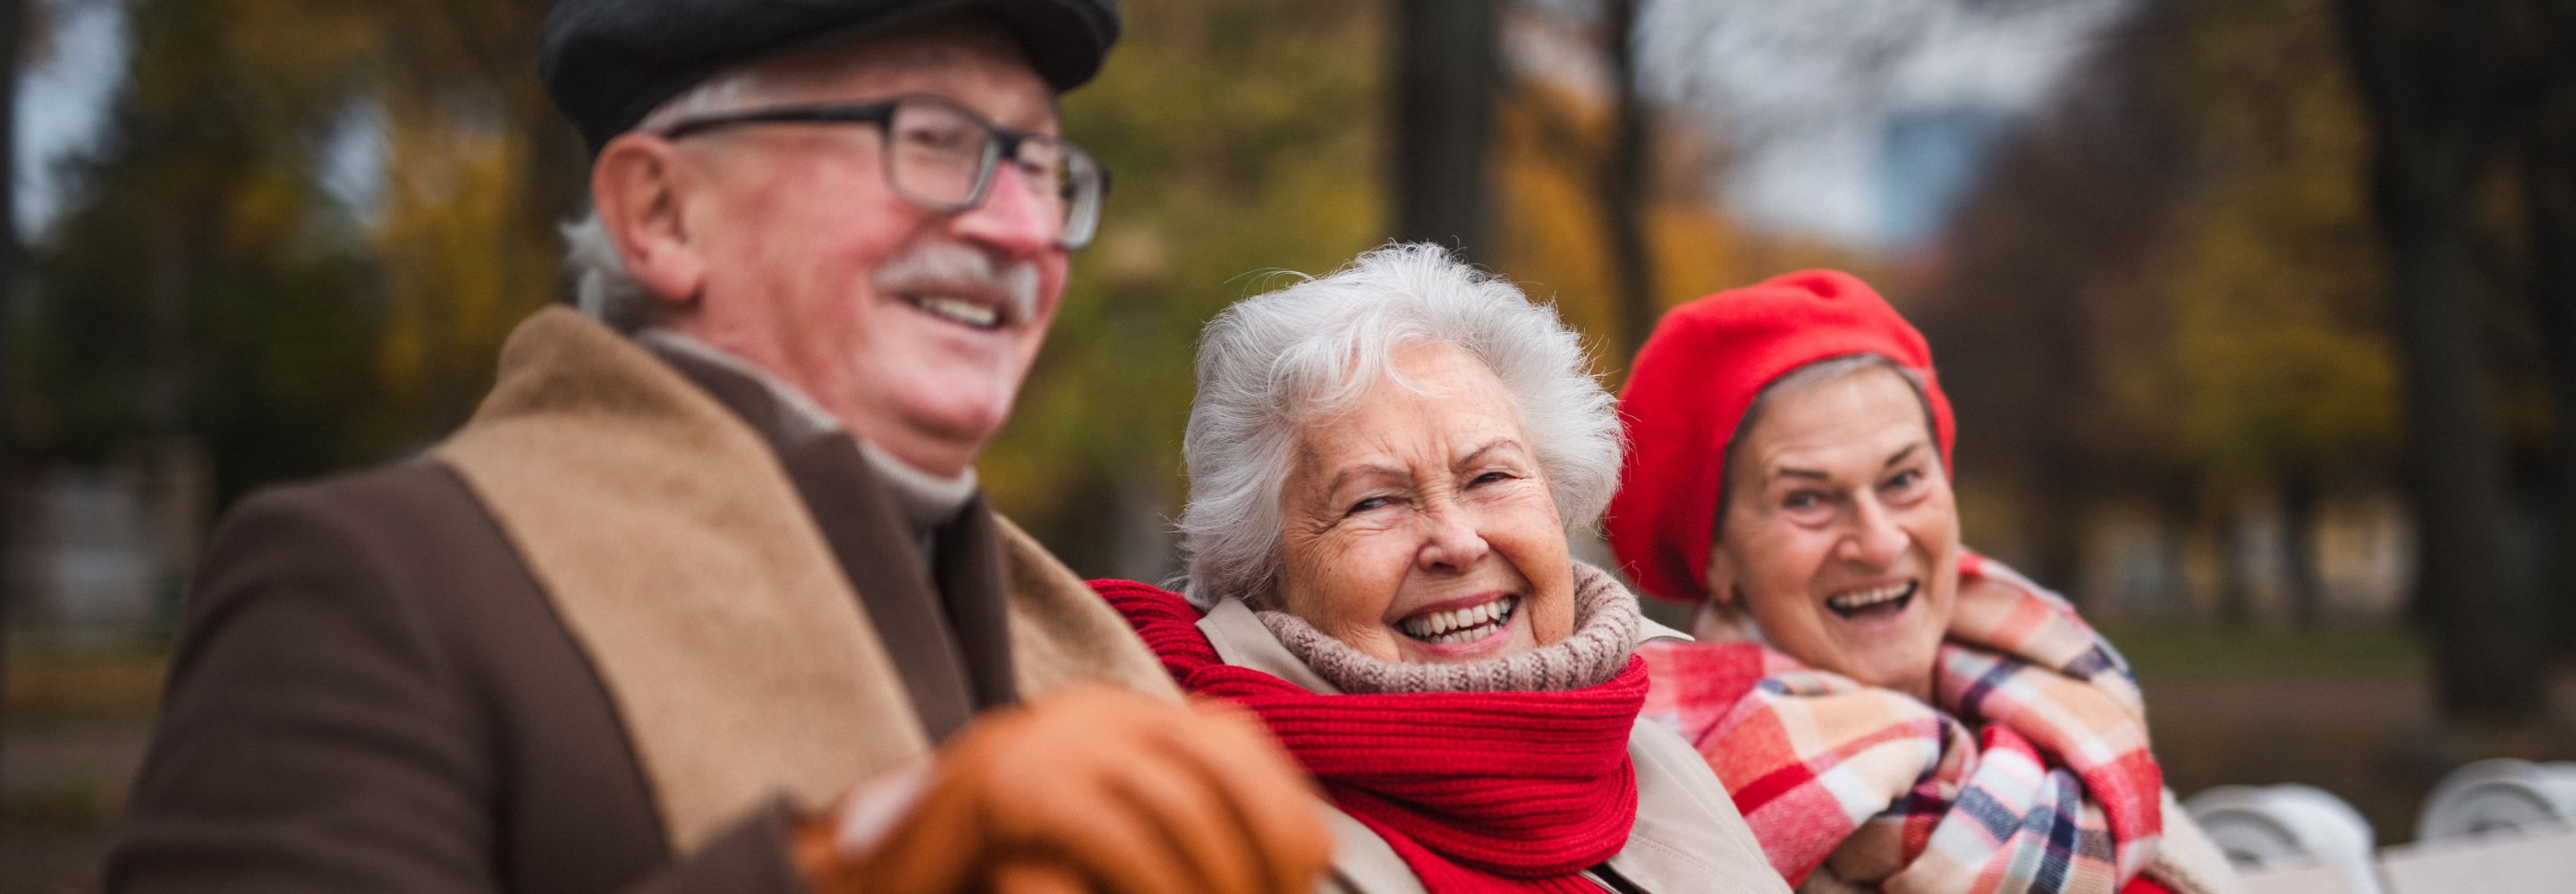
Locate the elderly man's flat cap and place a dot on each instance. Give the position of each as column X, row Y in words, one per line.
column 608, row 63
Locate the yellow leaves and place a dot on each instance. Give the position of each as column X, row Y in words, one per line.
column 1553, row 237
column 2276, row 354
column 267, row 205
column 298, row 35
column 2272, row 341
column 447, row 240
column 1242, row 136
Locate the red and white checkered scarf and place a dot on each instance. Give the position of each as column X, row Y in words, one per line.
column 2032, row 775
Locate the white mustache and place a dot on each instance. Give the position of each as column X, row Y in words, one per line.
column 943, row 266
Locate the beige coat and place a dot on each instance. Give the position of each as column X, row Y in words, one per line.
column 1688, row 836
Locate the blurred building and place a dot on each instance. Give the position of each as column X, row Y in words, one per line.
column 1931, row 161
column 101, row 554
column 2140, row 567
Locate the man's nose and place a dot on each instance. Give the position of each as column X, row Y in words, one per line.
column 1012, row 218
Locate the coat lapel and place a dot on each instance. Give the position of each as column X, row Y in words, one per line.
column 882, row 561
column 1061, row 631
column 674, row 545
column 969, row 566
column 675, row 550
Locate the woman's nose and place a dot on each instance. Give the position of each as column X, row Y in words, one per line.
column 1452, row 541
column 1874, row 538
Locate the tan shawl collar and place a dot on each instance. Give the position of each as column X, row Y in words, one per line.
column 679, row 555
column 948, row 637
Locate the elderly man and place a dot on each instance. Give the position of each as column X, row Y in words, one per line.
column 706, row 598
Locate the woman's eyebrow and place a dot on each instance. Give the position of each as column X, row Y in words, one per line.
column 1344, row 476
column 1504, row 442
column 1902, row 454
column 1813, row 474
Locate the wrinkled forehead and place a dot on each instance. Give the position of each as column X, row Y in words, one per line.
column 1425, row 392
column 1872, row 398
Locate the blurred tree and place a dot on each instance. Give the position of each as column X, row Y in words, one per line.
column 204, row 285
column 1446, row 67
column 2546, row 153
column 1232, row 128
column 479, row 170
column 313, row 223
column 1616, row 165
column 2437, row 79
column 309, row 227
column 1555, row 240
column 1244, row 145
column 2045, row 314
column 1623, row 175
column 2277, row 346
column 13, row 16
column 1604, row 204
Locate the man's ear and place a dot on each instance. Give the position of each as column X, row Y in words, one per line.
column 639, row 185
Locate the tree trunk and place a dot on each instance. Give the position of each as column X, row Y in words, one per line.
column 2428, row 76
column 2549, row 211
column 2066, row 470
column 2302, row 587
column 1623, row 177
column 1447, row 67
column 2456, row 463
column 2235, row 585
column 12, row 19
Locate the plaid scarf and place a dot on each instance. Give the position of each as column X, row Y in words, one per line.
column 1475, row 791
column 2032, row 775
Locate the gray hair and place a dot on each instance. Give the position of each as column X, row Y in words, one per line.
column 1273, row 362
column 602, row 286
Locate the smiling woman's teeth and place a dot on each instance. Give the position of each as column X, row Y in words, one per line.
column 962, row 311
column 1847, row 603
column 1461, row 625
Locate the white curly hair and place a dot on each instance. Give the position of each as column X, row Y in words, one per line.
column 1274, row 362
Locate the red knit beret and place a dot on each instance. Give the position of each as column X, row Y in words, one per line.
column 1690, row 387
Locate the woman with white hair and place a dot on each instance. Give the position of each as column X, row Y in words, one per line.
column 1385, row 464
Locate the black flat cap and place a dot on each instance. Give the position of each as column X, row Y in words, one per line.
column 607, row 63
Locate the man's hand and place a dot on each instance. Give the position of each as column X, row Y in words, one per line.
column 1097, row 789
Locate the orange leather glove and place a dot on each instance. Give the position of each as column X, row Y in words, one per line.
column 1096, row 789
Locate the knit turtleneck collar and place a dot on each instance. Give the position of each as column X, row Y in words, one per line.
column 925, row 501
column 1606, row 628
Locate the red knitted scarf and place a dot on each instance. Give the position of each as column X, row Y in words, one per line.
column 1490, row 791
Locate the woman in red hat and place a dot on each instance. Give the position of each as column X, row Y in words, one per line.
column 1888, row 710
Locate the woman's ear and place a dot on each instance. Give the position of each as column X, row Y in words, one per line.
column 1721, row 579
column 1723, row 617
column 640, row 185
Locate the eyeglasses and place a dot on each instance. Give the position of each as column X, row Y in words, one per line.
column 941, row 156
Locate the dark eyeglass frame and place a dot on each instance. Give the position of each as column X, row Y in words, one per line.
column 1081, row 223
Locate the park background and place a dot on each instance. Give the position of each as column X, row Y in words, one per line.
column 2259, row 315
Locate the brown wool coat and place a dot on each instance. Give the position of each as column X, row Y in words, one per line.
column 600, row 640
